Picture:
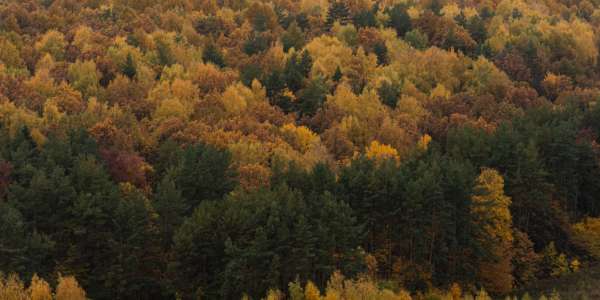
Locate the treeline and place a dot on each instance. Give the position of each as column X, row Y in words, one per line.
column 165, row 149
column 338, row 287
column 443, row 215
column 67, row 288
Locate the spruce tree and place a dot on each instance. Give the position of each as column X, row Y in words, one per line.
column 129, row 69
column 212, row 54
column 399, row 19
column 338, row 11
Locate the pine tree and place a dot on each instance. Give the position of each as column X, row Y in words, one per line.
column 436, row 7
column 305, row 63
column 312, row 97
column 389, row 93
column 337, row 76
column 170, row 207
column 399, row 19
column 204, row 173
column 381, row 50
column 476, row 28
column 165, row 54
column 293, row 73
column 212, row 54
column 366, row 18
column 293, row 37
column 129, row 69
column 338, row 11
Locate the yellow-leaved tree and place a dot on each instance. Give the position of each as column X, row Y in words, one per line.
column 378, row 151
column 491, row 209
column 39, row 289
column 53, row 43
column 68, row 289
column 586, row 234
column 12, row 288
column 311, row 292
column 85, row 77
column 299, row 137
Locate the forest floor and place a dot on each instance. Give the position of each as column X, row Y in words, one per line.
column 583, row 285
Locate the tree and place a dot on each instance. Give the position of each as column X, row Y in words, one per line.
column 22, row 251
column 275, row 235
column 511, row 62
column 311, row 292
column 213, row 55
column 127, row 167
column 389, row 93
column 39, row 289
column 553, row 263
column 85, row 77
column 129, row 68
column 68, row 289
column 381, row 51
column 164, row 53
column 312, row 97
column 338, row 11
column 10, row 55
column 337, row 76
column 261, row 16
column 435, row 6
column 299, row 137
column 306, row 63
column 256, row 44
column 585, row 235
column 555, row 84
column 12, row 288
column 399, row 19
column 204, row 173
column 293, row 37
column 379, row 151
column 492, row 206
column 53, row 43
column 170, row 207
column 360, row 70
column 476, row 28
column 365, row 18
column 525, row 260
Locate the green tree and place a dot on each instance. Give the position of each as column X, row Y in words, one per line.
column 204, row 173
column 129, row 68
column 170, row 207
column 293, row 37
column 338, row 11
column 263, row 239
column 389, row 93
column 164, row 53
column 85, row 77
column 312, row 97
column 365, row 18
column 399, row 19
column 213, row 55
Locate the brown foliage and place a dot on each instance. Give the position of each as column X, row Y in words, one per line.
column 126, row 167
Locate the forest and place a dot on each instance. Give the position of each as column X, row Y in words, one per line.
column 297, row 149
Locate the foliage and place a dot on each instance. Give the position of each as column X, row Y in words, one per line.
column 215, row 149
column 586, row 235
column 12, row 288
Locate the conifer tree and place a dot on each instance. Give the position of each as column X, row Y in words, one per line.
column 129, row 69
column 338, row 11
column 213, row 55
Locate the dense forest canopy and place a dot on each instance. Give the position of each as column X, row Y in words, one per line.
column 239, row 148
